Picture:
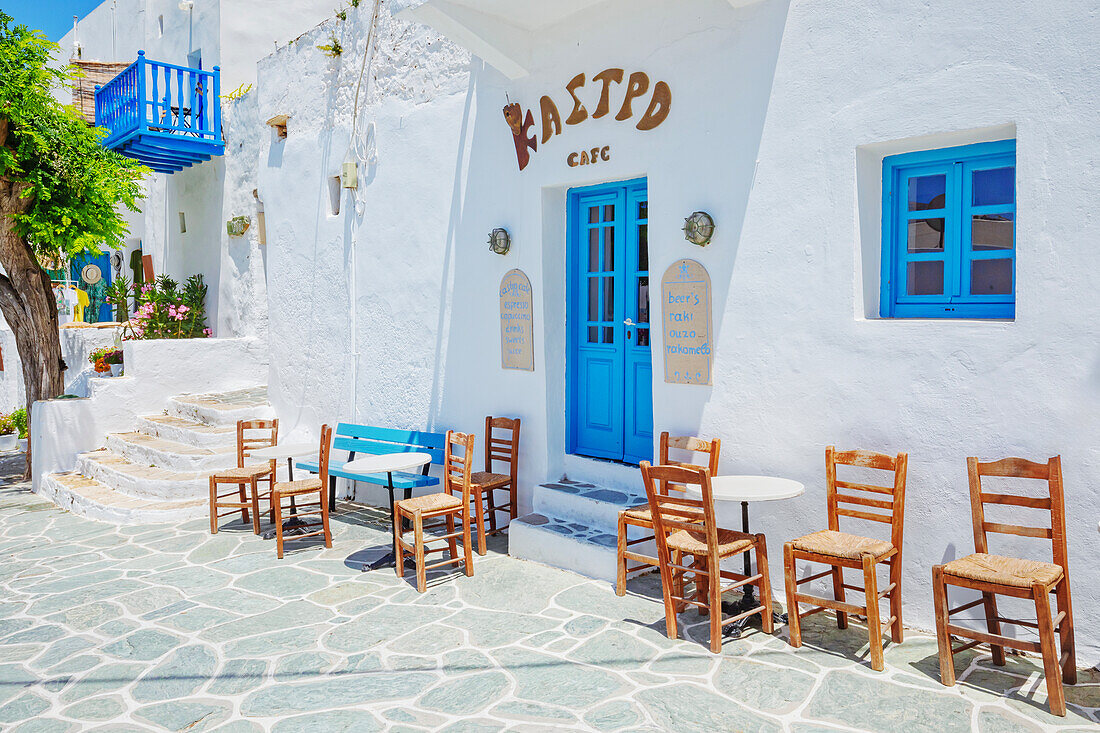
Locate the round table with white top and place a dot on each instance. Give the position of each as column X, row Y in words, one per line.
column 387, row 463
column 289, row 451
column 727, row 491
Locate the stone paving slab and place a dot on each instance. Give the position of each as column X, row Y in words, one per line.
column 168, row 628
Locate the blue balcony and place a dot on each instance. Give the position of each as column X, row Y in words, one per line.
column 166, row 116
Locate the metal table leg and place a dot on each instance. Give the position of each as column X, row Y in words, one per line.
column 293, row 525
column 390, row 558
column 748, row 600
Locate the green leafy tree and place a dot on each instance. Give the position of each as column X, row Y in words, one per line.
column 61, row 194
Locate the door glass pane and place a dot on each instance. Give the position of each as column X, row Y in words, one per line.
column 593, row 299
column 593, row 335
column 643, row 210
column 643, row 337
column 593, row 214
column 991, row 232
column 643, row 300
column 926, row 235
column 609, row 212
column 995, row 186
column 609, row 249
column 991, row 277
column 594, row 250
column 643, row 247
column 927, row 192
column 925, row 278
column 609, row 334
column 609, row 299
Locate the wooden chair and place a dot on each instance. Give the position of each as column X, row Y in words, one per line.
column 305, row 489
column 840, row 550
column 994, row 575
column 686, row 526
column 454, row 502
column 251, row 435
column 640, row 516
column 485, row 484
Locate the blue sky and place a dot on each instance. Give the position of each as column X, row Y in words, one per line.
column 53, row 17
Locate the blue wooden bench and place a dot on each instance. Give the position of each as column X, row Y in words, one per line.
column 357, row 439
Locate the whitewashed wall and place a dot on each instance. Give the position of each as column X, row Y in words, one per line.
column 781, row 115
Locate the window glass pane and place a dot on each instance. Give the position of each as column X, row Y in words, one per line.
column 593, row 214
column 925, row 235
column 643, row 247
column 609, row 212
column 608, row 335
column 609, row 249
column 927, row 192
column 594, row 250
column 643, row 337
column 593, row 335
column 609, row 299
column 991, row 232
column 643, row 300
column 643, row 209
column 995, row 186
column 925, row 278
column 593, row 299
column 991, row 277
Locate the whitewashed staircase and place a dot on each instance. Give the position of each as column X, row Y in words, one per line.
column 574, row 527
column 159, row 472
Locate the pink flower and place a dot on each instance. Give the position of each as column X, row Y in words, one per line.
column 146, row 288
column 208, row 332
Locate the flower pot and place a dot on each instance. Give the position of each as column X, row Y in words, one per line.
column 116, row 370
column 9, row 442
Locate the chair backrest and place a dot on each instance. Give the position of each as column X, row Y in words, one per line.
column 1053, row 502
column 458, row 465
column 680, row 510
column 253, row 435
column 322, row 457
column 380, row 441
column 689, row 445
column 872, row 502
column 502, row 443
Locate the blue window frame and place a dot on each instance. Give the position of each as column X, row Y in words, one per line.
column 949, row 232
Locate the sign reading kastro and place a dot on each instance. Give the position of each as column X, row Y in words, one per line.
column 517, row 334
column 685, row 294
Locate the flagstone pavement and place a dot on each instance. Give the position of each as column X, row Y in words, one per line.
column 170, row 628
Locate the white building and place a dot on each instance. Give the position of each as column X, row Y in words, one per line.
column 810, row 132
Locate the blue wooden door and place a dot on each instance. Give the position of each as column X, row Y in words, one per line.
column 610, row 372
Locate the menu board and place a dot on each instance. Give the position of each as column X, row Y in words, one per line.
column 517, row 332
column 685, row 302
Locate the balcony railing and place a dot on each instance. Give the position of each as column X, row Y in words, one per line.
column 165, row 115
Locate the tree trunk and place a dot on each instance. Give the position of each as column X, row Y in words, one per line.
column 28, row 304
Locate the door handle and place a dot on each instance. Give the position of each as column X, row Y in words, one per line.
column 629, row 322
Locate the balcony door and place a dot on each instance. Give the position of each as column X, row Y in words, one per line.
column 610, row 410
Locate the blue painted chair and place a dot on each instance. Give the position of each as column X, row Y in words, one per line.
column 370, row 440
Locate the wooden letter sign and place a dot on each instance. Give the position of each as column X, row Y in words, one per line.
column 517, row 327
column 685, row 293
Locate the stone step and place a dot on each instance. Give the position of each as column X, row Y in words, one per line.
column 145, row 449
column 142, row 481
column 188, row 432
column 90, row 498
column 567, row 545
column 223, row 408
column 583, row 503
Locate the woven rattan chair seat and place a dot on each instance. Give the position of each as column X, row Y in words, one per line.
column 302, row 486
column 1003, row 570
column 245, row 472
column 486, row 480
column 841, row 544
column 430, row 503
column 695, row 543
column 641, row 513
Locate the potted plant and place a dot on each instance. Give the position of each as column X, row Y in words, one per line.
column 98, row 359
column 9, row 434
column 114, row 360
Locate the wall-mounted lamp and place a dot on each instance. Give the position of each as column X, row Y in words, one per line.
column 699, row 228
column 500, row 241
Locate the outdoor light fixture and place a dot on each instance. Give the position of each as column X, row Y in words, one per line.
column 499, row 241
column 699, row 228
